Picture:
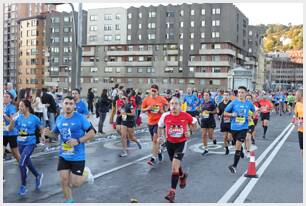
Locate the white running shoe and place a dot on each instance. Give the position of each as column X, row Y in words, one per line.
column 89, row 177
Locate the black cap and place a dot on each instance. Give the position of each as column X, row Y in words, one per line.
column 154, row 86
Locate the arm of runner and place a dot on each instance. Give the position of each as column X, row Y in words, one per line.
column 228, row 110
column 161, row 125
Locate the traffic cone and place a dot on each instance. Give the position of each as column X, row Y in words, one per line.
column 251, row 167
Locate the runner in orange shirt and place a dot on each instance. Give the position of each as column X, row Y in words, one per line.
column 265, row 106
column 298, row 111
column 155, row 105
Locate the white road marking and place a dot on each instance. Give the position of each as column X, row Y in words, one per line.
column 248, row 188
column 232, row 190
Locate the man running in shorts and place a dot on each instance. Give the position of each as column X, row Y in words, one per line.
column 225, row 124
column 154, row 105
column 208, row 123
column 239, row 111
column 265, row 106
column 74, row 130
column 175, row 123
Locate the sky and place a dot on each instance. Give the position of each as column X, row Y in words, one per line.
column 257, row 13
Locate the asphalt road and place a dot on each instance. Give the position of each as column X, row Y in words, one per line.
column 279, row 165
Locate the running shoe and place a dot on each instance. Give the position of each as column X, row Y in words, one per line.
column 22, row 191
column 183, row 181
column 38, row 181
column 170, row 196
column 123, row 154
column 215, row 141
column 205, row 152
column 160, row 156
column 139, row 145
column 232, row 169
column 152, row 162
column 89, row 177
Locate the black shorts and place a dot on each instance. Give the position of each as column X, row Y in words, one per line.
column 239, row 135
column 176, row 150
column 128, row 124
column 291, row 104
column 153, row 130
column 76, row 167
column 255, row 121
column 118, row 120
column 265, row 116
column 301, row 140
column 193, row 113
column 11, row 140
column 225, row 127
column 251, row 129
column 208, row 124
column 276, row 104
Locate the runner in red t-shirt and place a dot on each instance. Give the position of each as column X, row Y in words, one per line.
column 175, row 124
column 265, row 106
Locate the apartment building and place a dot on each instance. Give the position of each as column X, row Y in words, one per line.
column 31, row 48
column 11, row 13
column 59, row 40
column 106, row 26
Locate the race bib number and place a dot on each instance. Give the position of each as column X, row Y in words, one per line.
column 67, row 149
column 155, row 109
column 124, row 116
column 22, row 138
column 176, row 131
column 5, row 128
column 205, row 115
column 240, row 120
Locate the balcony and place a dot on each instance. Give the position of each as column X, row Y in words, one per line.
column 210, row 75
column 217, row 51
column 47, row 64
column 240, row 56
column 172, row 63
column 172, row 52
column 88, row 53
column 250, row 62
column 210, row 63
column 87, row 64
column 128, row 53
column 129, row 64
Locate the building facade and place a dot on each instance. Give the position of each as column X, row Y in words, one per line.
column 31, row 56
column 11, row 13
column 59, row 39
column 106, row 26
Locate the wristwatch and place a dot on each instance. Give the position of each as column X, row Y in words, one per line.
column 79, row 141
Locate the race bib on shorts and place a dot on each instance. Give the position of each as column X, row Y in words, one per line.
column 205, row 115
column 124, row 116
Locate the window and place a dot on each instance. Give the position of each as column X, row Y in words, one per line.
column 140, row 15
column 129, row 37
column 151, row 36
column 181, row 81
column 202, row 35
column 117, row 17
column 250, row 50
column 129, row 15
column 129, row 70
column 191, row 47
column 33, row 42
column 139, row 70
column 192, row 23
column 216, row 23
column 182, row 13
column 129, row 26
column 92, row 38
column 250, row 33
column 67, row 39
column 117, row 37
column 151, row 26
column 107, row 17
column 93, row 18
column 139, row 26
column 54, row 49
column 215, row 34
column 191, row 81
column 67, row 49
column 168, row 70
column 108, row 70
column 215, row 82
column 55, row 20
column 216, row 58
column 202, row 23
column 117, row 26
column 202, row 11
column 53, row 30
column 192, row 12
column 202, row 81
column 107, row 37
column 55, row 39
column 54, row 60
column 165, row 81
column 181, row 35
column 33, row 32
column 139, row 37
column 182, row 24
column 130, row 59
column 141, row 59
column 152, row 14
column 191, row 35
column 191, row 69
column 181, row 47
column 67, row 29
column 93, row 28
column 216, row 11
column 107, row 27
column 170, row 14
column 118, row 69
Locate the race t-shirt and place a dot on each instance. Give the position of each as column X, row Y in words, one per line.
column 207, row 106
column 299, row 115
column 221, row 107
column 251, row 122
column 265, row 105
column 127, row 108
column 81, row 107
column 73, row 127
column 192, row 102
column 239, row 122
column 157, row 104
column 26, row 128
column 176, row 126
column 9, row 110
